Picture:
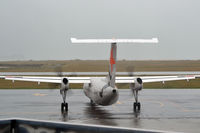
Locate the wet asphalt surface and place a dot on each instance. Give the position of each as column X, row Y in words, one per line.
column 171, row 110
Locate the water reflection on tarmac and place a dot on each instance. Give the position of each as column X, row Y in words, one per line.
column 172, row 110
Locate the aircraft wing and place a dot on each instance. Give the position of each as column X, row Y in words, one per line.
column 145, row 79
column 149, row 79
column 2, row 77
column 49, row 79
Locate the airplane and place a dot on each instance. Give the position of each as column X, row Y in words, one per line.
column 103, row 90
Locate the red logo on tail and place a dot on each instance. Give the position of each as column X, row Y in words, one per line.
column 112, row 60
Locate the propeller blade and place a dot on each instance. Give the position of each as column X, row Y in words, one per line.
column 130, row 71
column 58, row 70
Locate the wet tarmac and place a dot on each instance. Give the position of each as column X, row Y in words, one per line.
column 171, row 110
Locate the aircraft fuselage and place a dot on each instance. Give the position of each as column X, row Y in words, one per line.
column 93, row 91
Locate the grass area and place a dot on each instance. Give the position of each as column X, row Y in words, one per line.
column 98, row 66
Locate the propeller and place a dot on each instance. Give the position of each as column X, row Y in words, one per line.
column 130, row 71
column 59, row 73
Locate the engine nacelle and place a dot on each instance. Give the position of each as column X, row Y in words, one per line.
column 65, row 84
column 138, row 84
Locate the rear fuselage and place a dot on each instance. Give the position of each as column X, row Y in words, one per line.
column 93, row 90
column 103, row 91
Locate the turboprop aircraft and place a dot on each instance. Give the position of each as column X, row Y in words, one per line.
column 103, row 90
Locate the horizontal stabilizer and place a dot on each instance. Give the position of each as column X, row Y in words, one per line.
column 153, row 40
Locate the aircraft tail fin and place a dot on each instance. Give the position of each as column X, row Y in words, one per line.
column 112, row 65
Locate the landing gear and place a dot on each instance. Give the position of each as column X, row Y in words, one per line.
column 92, row 103
column 64, row 105
column 136, row 104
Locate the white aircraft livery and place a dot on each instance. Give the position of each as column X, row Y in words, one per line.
column 102, row 90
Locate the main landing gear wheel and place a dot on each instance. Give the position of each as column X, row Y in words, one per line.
column 92, row 103
column 64, row 106
column 136, row 106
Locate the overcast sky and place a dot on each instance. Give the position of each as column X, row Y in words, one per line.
column 41, row 29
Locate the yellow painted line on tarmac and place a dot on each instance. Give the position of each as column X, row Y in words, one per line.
column 157, row 102
column 152, row 101
column 184, row 109
column 118, row 102
column 178, row 106
column 191, row 110
column 114, row 106
column 39, row 94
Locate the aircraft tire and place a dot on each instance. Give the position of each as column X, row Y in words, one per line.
column 92, row 103
column 62, row 106
column 139, row 106
column 134, row 106
column 66, row 106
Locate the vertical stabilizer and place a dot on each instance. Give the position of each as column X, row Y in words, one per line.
column 112, row 65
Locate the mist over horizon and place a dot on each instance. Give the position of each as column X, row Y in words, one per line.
column 41, row 30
